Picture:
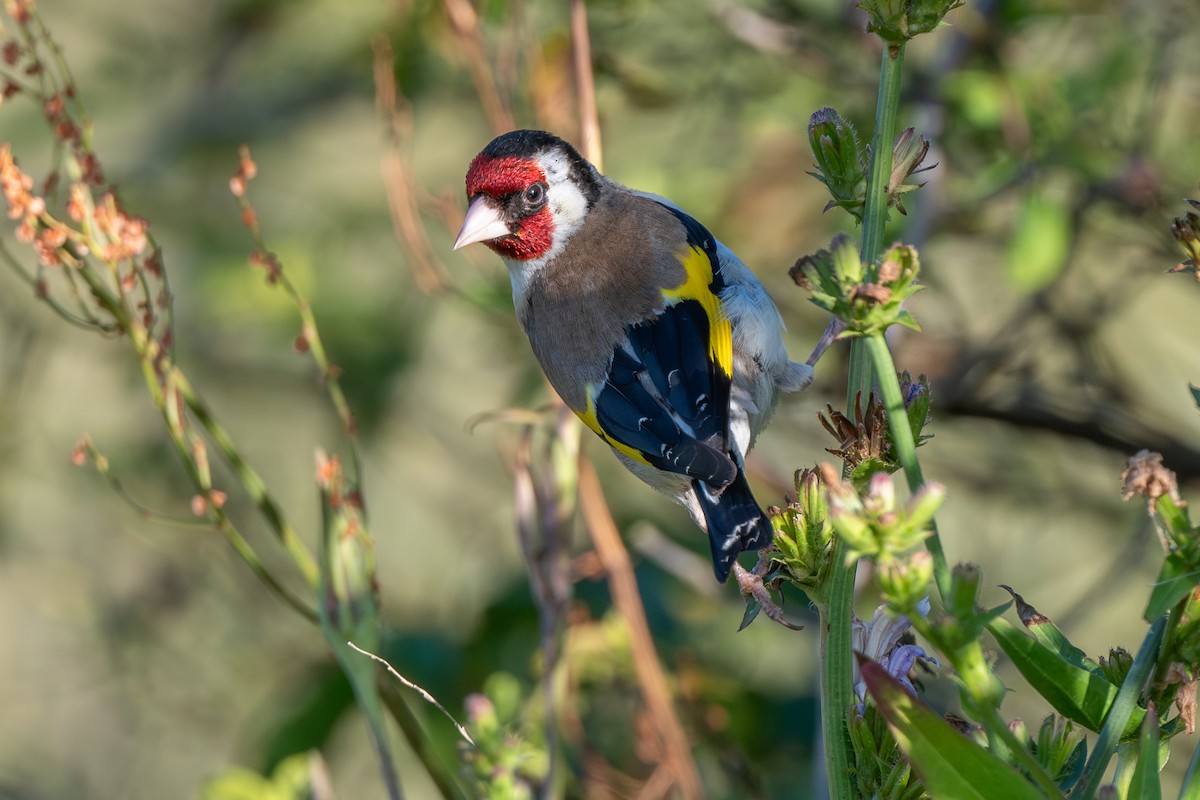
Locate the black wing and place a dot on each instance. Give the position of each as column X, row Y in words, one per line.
column 664, row 396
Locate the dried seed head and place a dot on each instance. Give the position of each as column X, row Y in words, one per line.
column 1146, row 475
column 859, row 438
column 870, row 293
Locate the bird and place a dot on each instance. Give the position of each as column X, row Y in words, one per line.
column 652, row 331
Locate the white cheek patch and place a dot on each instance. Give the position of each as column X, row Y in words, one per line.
column 566, row 201
column 568, row 207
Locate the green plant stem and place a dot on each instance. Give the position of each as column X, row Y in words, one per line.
column 905, row 445
column 1120, row 711
column 837, row 690
column 837, row 686
column 1174, row 617
column 887, row 109
column 1190, row 789
column 442, row 777
column 306, row 565
column 148, row 351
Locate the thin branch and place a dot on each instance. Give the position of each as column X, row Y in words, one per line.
column 585, row 86
column 628, row 601
column 396, row 116
column 464, row 21
column 426, row 696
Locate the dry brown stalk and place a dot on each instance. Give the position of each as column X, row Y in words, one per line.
column 464, row 21
column 396, row 116
column 622, row 585
column 585, row 86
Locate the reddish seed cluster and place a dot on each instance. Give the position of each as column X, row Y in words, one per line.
column 247, row 169
column 79, row 454
column 77, row 203
column 36, row 228
column 200, row 503
column 329, row 469
column 64, row 127
column 67, row 130
column 269, row 262
column 126, row 234
column 20, row 10
column 18, row 189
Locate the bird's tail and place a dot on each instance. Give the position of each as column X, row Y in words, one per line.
column 734, row 521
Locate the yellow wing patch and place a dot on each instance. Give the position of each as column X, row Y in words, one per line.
column 698, row 269
column 588, row 416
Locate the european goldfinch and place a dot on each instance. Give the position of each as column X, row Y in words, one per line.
column 649, row 329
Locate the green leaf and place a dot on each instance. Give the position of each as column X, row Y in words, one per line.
column 1123, row 710
column 1079, row 695
column 1145, row 784
column 1195, row 393
column 1173, row 515
column 1040, row 243
column 1177, row 578
column 752, row 609
column 1050, row 635
column 949, row 764
column 1190, row 790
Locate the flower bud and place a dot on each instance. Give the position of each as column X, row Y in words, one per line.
column 964, row 590
column 841, row 159
column 1117, row 665
column 904, row 582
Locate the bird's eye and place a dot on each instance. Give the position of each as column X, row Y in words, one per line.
column 535, row 194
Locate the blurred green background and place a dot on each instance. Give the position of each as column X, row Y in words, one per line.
column 142, row 660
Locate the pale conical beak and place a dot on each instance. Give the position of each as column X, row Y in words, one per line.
column 483, row 222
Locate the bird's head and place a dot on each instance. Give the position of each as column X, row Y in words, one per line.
column 529, row 191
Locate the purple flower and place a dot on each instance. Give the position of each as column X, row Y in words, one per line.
column 881, row 641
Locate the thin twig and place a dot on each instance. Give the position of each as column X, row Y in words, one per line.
column 585, row 86
column 396, row 116
column 628, row 601
column 426, row 696
column 464, row 21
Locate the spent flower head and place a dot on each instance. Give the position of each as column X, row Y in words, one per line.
column 897, row 21
column 867, row 298
column 1147, row 476
column 908, row 159
column 863, row 441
